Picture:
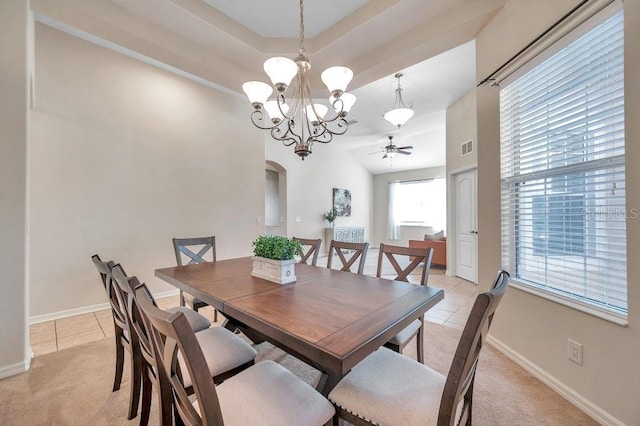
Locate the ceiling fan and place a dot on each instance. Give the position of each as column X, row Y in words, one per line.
column 392, row 149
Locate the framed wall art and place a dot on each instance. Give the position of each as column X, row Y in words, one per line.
column 342, row 201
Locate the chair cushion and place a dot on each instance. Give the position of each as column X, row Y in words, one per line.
column 406, row 334
column 269, row 394
column 197, row 321
column 387, row 388
column 223, row 351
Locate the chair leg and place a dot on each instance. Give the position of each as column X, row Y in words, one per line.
column 136, row 380
column 117, row 380
column 420, row 342
column 145, row 407
column 215, row 315
column 181, row 298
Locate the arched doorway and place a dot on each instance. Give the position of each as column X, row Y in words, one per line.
column 275, row 203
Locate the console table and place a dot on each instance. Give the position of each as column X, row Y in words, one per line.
column 349, row 234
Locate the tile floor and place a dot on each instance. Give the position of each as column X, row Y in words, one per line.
column 63, row 333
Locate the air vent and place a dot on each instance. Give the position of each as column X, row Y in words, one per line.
column 467, row 148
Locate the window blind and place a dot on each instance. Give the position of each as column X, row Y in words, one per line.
column 563, row 171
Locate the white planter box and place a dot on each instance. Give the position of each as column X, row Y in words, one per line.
column 277, row 271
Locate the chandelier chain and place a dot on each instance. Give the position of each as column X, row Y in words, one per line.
column 301, row 51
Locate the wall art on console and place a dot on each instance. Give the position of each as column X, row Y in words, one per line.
column 342, row 201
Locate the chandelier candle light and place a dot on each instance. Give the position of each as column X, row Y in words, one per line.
column 400, row 113
column 300, row 122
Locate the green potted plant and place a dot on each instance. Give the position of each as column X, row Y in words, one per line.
column 273, row 258
column 330, row 216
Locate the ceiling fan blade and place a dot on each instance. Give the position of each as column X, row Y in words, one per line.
column 384, row 156
column 404, row 152
column 405, row 147
column 376, row 152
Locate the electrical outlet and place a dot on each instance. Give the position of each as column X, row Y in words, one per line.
column 574, row 351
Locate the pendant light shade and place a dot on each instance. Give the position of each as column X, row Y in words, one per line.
column 257, row 92
column 336, row 79
column 311, row 114
column 398, row 116
column 348, row 100
column 274, row 112
column 281, row 71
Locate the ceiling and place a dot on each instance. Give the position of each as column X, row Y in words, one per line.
column 223, row 43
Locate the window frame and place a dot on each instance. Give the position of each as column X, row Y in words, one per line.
column 575, row 302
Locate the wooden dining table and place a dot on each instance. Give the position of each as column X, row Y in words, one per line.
column 329, row 319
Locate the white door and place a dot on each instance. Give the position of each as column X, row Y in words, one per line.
column 466, row 230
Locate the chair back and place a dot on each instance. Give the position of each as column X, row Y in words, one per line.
column 414, row 255
column 172, row 334
column 194, row 250
column 142, row 330
column 459, row 385
column 310, row 250
column 358, row 251
column 116, row 300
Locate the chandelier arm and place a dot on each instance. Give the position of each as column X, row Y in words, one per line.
column 280, row 101
column 339, row 113
column 328, row 138
column 260, row 114
column 287, row 138
column 341, row 124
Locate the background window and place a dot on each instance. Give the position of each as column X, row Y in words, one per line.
column 422, row 203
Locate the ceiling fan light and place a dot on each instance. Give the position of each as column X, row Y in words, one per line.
column 274, row 111
column 348, row 100
column 281, row 71
column 337, row 79
column 257, row 92
column 311, row 114
column 391, row 154
column 399, row 116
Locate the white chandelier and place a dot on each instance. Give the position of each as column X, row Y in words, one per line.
column 400, row 113
column 300, row 122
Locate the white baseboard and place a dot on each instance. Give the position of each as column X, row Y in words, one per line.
column 87, row 309
column 588, row 407
column 13, row 369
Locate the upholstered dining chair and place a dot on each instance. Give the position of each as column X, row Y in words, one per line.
column 226, row 353
column 195, row 250
column 265, row 393
column 358, row 251
column 310, row 250
column 387, row 388
column 396, row 255
column 125, row 340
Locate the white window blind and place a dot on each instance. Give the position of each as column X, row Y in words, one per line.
column 563, row 172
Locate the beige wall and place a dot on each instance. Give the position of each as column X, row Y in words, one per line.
column 461, row 127
column 14, row 116
column 310, row 183
column 125, row 156
column 535, row 330
column 381, row 205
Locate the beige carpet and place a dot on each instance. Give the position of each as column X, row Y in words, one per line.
column 73, row 387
